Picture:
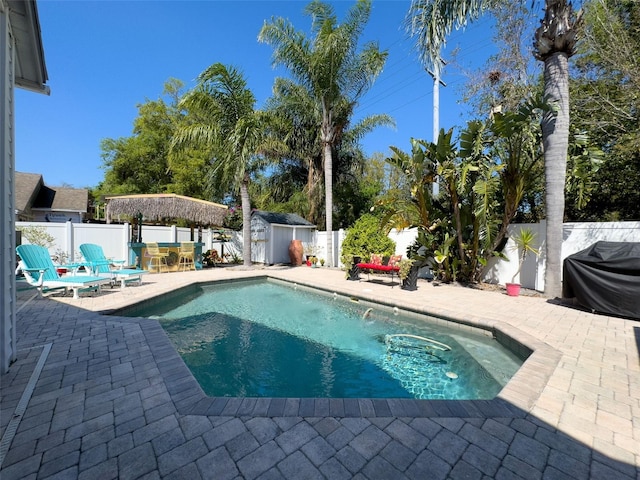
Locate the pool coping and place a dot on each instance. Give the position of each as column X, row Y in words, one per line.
column 515, row 399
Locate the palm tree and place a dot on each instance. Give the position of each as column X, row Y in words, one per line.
column 335, row 74
column 299, row 169
column 221, row 117
column 555, row 41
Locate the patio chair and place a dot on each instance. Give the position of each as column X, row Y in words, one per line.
column 157, row 256
column 39, row 271
column 100, row 266
column 185, row 255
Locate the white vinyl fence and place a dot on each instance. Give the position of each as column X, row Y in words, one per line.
column 114, row 239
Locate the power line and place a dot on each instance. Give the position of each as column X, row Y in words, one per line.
column 396, row 88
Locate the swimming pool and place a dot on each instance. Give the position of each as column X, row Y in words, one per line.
column 271, row 339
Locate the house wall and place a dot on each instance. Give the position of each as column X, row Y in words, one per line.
column 56, row 216
column 7, row 198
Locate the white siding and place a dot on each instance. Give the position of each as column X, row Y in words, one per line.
column 7, row 206
column 281, row 238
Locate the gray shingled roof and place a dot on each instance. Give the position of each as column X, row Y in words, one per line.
column 283, row 218
column 27, row 187
column 32, row 193
column 62, row 199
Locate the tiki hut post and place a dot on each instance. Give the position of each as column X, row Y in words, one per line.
column 139, row 217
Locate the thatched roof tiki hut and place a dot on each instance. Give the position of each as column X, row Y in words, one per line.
column 163, row 206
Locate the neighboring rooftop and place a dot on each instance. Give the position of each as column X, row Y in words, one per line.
column 282, row 218
column 36, row 201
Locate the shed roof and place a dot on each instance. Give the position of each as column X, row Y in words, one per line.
column 166, row 205
column 283, row 218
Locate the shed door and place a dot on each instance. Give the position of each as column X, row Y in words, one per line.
column 258, row 242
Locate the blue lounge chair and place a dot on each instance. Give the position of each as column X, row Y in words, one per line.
column 40, row 272
column 102, row 267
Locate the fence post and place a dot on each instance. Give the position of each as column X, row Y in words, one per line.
column 126, row 228
column 69, row 242
column 174, row 234
column 341, row 234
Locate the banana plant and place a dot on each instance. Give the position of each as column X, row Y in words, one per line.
column 419, row 167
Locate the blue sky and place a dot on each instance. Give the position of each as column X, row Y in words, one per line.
column 106, row 57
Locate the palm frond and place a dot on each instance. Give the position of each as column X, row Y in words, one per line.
column 431, row 21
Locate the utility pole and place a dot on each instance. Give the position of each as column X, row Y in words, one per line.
column 436, row 113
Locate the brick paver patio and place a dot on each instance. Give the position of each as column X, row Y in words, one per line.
column 98, row 397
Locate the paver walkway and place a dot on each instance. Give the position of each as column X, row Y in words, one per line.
column 97, row 397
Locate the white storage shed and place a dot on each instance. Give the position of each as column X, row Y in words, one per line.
column 271, row 234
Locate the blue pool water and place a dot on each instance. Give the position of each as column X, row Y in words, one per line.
column 267, row 339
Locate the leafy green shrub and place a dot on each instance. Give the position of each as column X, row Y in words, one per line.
column 366, row 237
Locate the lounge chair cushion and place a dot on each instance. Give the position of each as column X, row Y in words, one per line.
column 394, row 260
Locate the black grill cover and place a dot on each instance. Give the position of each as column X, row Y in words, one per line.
column 605, row 278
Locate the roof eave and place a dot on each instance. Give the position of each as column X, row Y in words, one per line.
column 31, row 71
column 291, row 225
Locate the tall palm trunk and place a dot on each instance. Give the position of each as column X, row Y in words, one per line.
column 314, row 195
column 246, row 221
column 555, row 138
column 327, row 135
column 328, row 195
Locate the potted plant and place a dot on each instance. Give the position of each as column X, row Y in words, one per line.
column 322, row 262
column 523, row 242
column 211, row 257
column 310, row 251
column 408, row 274
column 350, row 266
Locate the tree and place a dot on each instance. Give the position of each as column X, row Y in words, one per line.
column 138, row 164
column 606, row 78
column 224, row 120
column 555, row 42
column 332, row 70
column 483, row 183
column 295, row 182
column 141, row 163
column 508, row 76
